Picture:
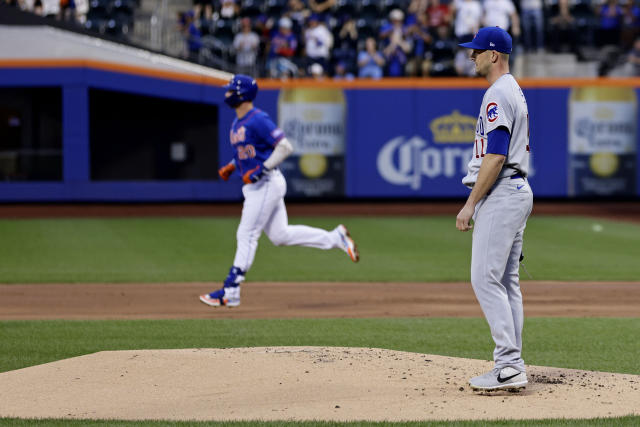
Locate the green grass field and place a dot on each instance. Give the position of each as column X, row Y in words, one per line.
column 393, row 249
column 603, row 344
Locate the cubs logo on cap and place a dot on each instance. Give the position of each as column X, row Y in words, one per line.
column 490, row 38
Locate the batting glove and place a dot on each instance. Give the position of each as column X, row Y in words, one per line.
column 226, row 171
column 254, row 174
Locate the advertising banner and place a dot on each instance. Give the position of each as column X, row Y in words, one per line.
column 314, row 122
column 602, row 141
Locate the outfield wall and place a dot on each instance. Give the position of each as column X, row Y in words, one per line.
column 405, row 138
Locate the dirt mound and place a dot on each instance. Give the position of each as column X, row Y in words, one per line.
column 300, row 383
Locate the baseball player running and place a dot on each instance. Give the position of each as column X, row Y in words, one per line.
column 259, row 147
column 499, row 204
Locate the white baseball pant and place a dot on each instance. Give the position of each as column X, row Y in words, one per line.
column 264, row 209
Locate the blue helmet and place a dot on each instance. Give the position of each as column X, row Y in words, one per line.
column 244, row 89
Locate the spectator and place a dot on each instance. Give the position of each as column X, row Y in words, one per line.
column 50, row 8
column 282, row 49
column 246, row 43
column 630, row 24
column 193, row 37
column 321, row 8
column 67, row 11
column 199, row 6
column 443, row 53
column 468, row 15
column 610, row 23
column 563, row 31
column 397, row 45
column 297, row 11
column 318, row 42
column 634, row 58
column 82, row 7
column 342, row 72
column 420, row 60
column 532, row 25
column 503, row 14
column 316, row 71
column 38, row 8
column 417, row 7
column 346, row 44
column 348, row 35
column 229, row 9
column 370, row 60
column 439, row 15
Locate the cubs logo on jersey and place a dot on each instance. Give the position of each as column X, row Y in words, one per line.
column 492, row 112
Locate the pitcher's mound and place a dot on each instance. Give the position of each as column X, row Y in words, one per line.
column 300, row 383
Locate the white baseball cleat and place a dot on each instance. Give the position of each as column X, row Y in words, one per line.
column 229, row 296
column 348, row 245
column 500, row 379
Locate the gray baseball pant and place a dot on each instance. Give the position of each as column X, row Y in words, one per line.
column 499, row 222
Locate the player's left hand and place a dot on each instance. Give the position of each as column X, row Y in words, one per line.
column 463, row 220
column 253, row 175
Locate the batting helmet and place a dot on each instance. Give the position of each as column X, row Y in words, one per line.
column 243, row 88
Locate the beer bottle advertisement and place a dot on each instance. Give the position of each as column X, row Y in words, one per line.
column 314, row 121
column 602, row 141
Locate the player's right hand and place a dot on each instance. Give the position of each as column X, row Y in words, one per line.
column 463, row 220
column 226, row 171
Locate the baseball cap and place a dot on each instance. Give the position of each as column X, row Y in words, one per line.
column 396, row 15
column 285, row 22
column 490, row 38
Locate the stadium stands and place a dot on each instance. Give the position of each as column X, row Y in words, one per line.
column 580, row 36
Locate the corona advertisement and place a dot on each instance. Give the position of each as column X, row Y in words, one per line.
column 408, row 161
column 602, row 141
column 314, row 121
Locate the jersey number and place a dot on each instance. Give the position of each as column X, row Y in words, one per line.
column 481, row 152
column 246, row 152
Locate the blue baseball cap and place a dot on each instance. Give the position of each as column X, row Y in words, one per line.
column 490, row 38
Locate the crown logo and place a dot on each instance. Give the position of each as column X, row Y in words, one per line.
column 454, row 128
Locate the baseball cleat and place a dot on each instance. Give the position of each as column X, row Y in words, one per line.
column 348, row 245
column 228, row 296
column 500, row 379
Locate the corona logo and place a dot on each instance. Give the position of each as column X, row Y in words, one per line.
column 404, row 161
column 454, row 128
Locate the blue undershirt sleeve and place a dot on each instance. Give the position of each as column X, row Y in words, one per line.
column 498, row 141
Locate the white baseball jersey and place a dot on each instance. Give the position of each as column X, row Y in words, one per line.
column 503, row 105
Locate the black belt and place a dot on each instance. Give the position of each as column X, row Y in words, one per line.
column 517, row 175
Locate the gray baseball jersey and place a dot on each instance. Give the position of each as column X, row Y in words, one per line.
column 503, row 105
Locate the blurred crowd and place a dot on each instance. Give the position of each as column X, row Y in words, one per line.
column 64, row 10
column 344, row 39
column 112, row 17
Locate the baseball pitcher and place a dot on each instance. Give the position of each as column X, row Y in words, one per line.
column 259, row 147
column 499, row 205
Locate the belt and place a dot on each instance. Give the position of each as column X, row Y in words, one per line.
column 517, row 175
